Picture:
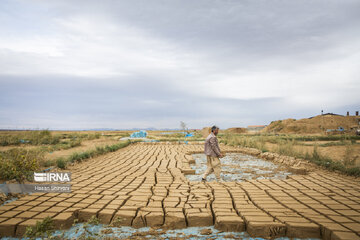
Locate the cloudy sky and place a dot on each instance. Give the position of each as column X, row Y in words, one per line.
column 153, row 63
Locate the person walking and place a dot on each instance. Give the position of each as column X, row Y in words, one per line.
column 213, row 153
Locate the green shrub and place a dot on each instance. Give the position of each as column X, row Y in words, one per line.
column 93, row 220
column 100, row 150
column 85, row 155
column 61, row 163
column 42, row 229
column 78, row 157
column 48, row 163
column 19, row 164
column 74, row 157
column 353, row 171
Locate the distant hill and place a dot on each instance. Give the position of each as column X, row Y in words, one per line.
column 317, row 124
column 236, row 130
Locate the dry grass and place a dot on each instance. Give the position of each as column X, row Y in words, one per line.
column 42, row 149
column 294, row 146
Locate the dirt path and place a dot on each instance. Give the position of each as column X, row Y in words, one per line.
column 85, row 145
column 144, row 185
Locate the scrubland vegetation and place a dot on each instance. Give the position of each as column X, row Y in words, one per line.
column 291, row 145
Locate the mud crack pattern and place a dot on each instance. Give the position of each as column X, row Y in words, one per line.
column 145, row 185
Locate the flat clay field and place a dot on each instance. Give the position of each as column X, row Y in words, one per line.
column 156, row 185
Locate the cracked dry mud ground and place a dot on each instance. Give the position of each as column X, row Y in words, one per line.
column 144, row 185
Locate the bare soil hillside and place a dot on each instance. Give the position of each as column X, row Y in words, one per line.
column 236, row 130
column 317, row 124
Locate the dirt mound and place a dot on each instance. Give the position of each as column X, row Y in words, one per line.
column 317, row 124
column 236, row 130
column 205, row 131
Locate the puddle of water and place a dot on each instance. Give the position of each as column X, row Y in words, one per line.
column 145, row 233
column 101, row 231
column 9, row 201
column 239, row 167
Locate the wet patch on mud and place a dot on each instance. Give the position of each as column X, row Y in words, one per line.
column 101, row 232
column 237, row 167
column 84, row 231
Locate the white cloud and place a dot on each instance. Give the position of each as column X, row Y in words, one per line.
column 305, row 56
column 92, row 47
column 37, row 45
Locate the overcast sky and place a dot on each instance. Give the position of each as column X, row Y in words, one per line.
column 154, row 63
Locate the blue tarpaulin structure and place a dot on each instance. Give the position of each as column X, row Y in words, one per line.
column 140, row 134
column 189, row 135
